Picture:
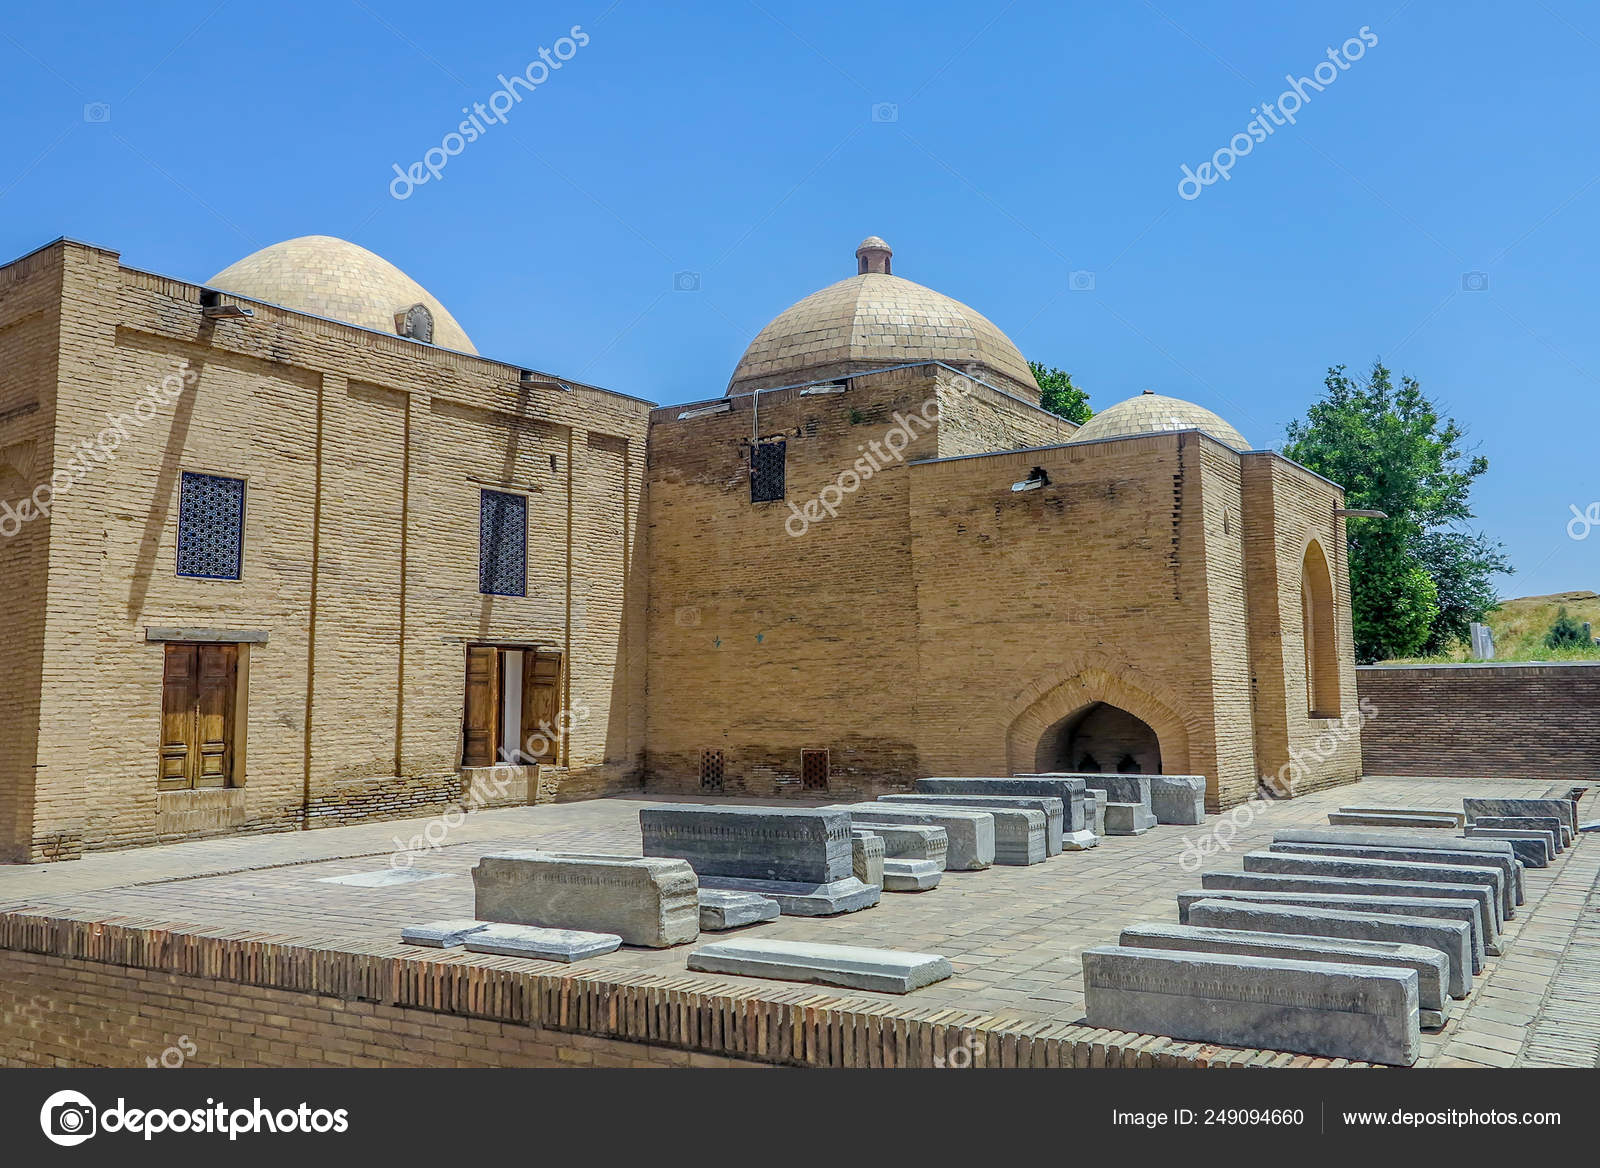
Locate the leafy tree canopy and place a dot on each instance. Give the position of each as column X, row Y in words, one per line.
column 1058, row 395
column 1421, row 577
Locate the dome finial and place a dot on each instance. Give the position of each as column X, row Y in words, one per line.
column 873, row 256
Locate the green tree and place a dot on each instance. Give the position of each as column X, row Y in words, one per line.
column 1421, row 577
column 1566, row 633
column 1058, row 395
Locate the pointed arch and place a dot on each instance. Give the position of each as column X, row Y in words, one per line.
column 1318, row 626
column 1044, row 705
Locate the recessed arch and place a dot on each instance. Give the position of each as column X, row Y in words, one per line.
column 1048, row 702
column 1318, row 630
column 1099, row 737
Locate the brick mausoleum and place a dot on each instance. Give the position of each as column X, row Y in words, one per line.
column 281, row 550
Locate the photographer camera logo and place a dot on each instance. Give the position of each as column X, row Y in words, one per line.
column 68, row 1118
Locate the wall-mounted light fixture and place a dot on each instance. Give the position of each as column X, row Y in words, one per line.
column 212, row 308
column 1036, row 479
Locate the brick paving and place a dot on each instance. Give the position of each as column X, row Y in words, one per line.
column 1014, row 935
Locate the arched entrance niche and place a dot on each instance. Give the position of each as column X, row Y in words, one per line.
column 1099, row 738
column 1097, row 703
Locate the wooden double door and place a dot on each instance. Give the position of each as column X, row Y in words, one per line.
column 199, row 687
column 513, row 704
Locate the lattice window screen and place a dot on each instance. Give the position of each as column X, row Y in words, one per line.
column 503, row 544
column 766, row 471
column 210, row 527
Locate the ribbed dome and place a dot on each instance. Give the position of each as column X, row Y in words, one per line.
column 871, row 320
column 331, row 277
column 1152, row 413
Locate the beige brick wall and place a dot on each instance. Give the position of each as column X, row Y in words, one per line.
column 30, row 296
column 364, row 456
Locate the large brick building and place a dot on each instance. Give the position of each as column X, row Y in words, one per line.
column 282, row 550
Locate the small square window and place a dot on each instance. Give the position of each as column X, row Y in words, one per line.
column 503, row 544
column 766, row 471
column 210, row 527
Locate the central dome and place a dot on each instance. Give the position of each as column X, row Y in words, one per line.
column 330, row 277
column 1153, row 413
column 872, row 320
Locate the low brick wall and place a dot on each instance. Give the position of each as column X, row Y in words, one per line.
column 86, row 993
column 1510, row 721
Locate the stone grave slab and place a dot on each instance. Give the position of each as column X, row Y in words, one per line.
column 646, row 901
column 1431, row 966
column 1456, row 814
column 1452, row 938
column 1362, row 1012
column 721, row 909
column 441, row 934
column 1534, row 848
column 854, row 967
column 1390, row 819
column 1545, row 823
column 1487, row 916
column 1361, row 868
column 969, row 835
column 1050, row 805
column 797, row 899
column 1179, row 799
column 913, row 841
column 542, row 944
column 910, row 875
column 1503, row 860
column 866, row 856
column 1077, row 814
column 798, row 845
column 1562, row 809
column 1442, row 908
column 1128, row 819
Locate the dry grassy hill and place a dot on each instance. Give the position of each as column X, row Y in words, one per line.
column 1519, row 627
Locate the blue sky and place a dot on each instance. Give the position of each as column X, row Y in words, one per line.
column 999, row 148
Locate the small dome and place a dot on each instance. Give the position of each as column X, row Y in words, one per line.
column 872, row 320
column 330, row 277
column 1152, row 413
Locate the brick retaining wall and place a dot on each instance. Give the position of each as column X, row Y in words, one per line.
column 89, row 993
column 1508, row 721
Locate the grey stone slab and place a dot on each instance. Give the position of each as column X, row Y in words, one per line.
column 1562, row 809
column 1390, row 819
column 1452, row 938
column 1121, row 788
column 1019, row 834
column 1534, row 848
column 1363, row 1012
column 1592, row 825
column 1361, row 868
column 1504, row 861
column 1432, row 967
column 969, row 835
column 1480, row 895
column 722, row 909
column 1098, row 799
column 1178, row 799
column 1401, row 906
column 1076, row 817
column 891, row 971
column 913, row 841
column 1545, row 823
column 644, row 900
column 543, row 944
column 1128, row 819
column 804, row 845
column 1456, row 814
column 796, row 899
column 1049, row 804
column 441, row 934
column 1501, row 854
column 866, row 854
column 910, row 875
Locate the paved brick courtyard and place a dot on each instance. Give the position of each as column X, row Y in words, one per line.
column 1014, row 935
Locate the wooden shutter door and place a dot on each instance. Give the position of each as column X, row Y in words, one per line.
column 179, row 690
column 483, row 706
column 541, row 706
column 214, row 715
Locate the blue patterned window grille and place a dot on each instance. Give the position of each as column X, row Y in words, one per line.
column 210, row 527
column 503, row 544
